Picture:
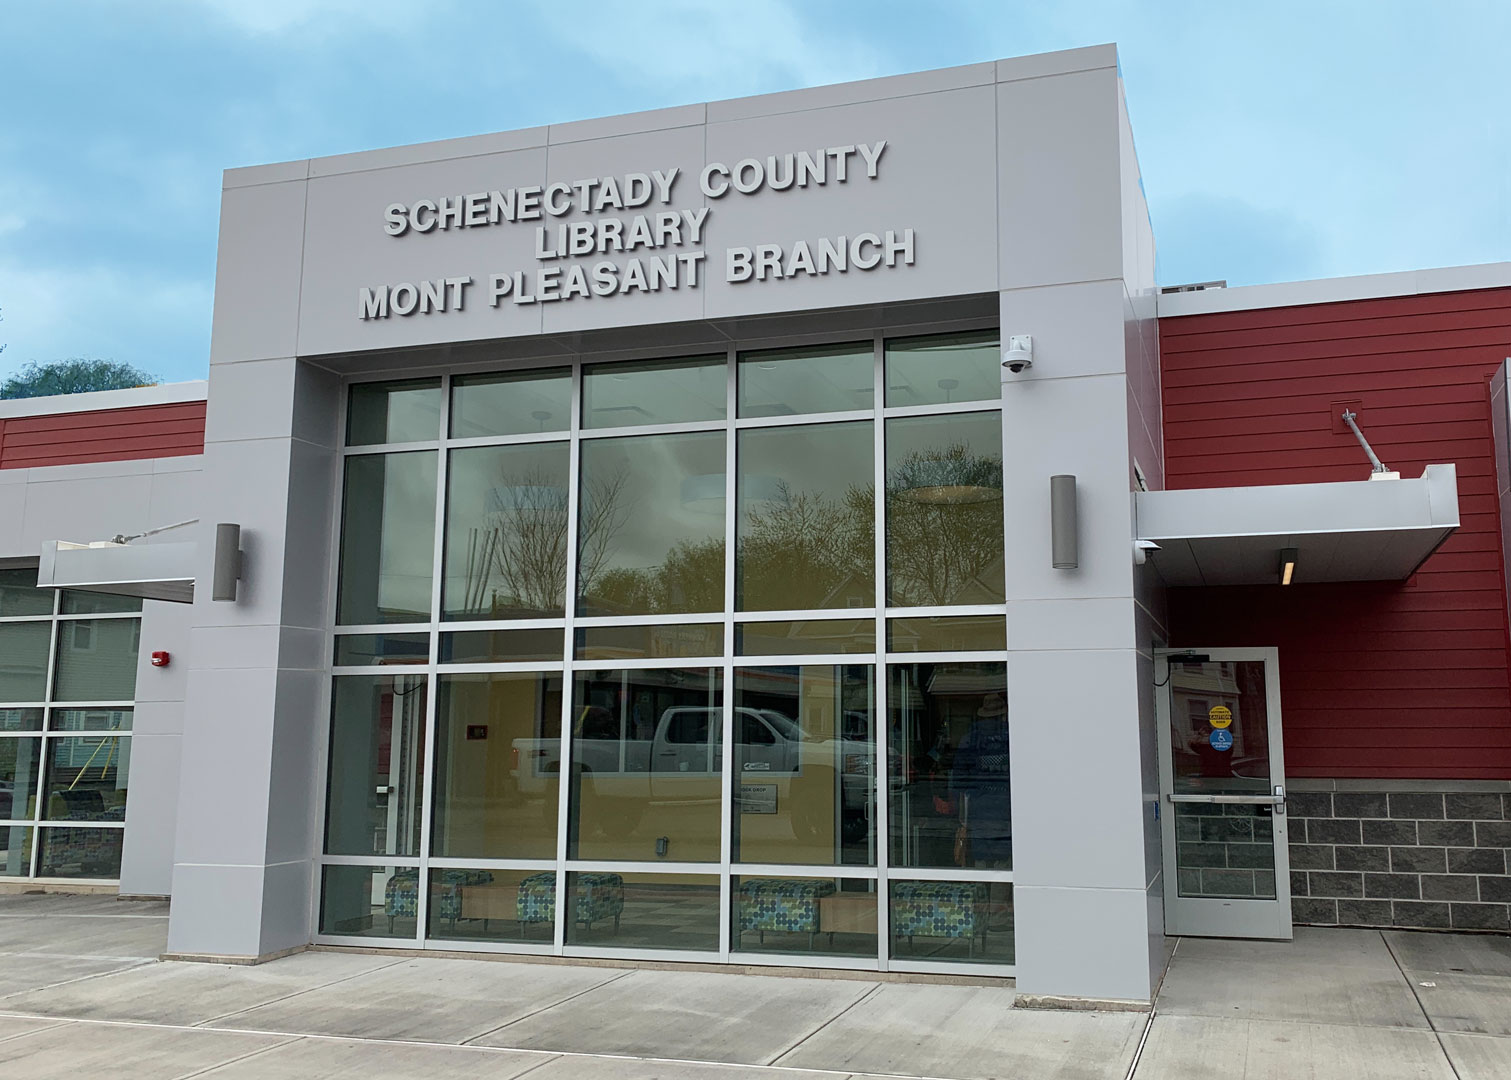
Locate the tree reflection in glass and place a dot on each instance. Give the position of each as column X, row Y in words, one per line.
column 652, row 534
column 506, row 532
column 806, row 525
column 944, row 510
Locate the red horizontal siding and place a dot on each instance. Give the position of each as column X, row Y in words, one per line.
column 1408, row 679
column 146, row 431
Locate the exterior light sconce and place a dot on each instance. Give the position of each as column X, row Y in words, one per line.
column 1063, row 544
column 227, row 562
column 1019, row 355
column 1287, row 565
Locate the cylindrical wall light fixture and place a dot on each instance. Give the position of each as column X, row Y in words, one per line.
column 227, row 562
column 1065, row 553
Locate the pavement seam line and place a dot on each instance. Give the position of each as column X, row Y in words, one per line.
column 538, row 1065
column 57, row 1023
column 292, row 1036
column 74, row 915
column 1411, row 983
column 1138, row 1051
column 780, row 1054
column 471, row 1039
column 297, row 993
column 140, row 963
column 237, row 1058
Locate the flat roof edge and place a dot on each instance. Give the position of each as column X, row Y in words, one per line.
column 644, row 121
column 98, row 400
column 1337, row 290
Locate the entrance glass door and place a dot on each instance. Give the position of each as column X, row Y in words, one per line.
column 1222, row 793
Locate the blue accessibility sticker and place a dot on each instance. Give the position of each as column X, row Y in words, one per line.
column 1221, row 739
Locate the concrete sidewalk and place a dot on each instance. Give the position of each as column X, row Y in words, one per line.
column 81, row 993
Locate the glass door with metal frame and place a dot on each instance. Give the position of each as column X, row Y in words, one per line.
column 1222, row 793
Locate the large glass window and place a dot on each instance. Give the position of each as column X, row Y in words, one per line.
column 376, row 765
column 647, row 765
column 644, row 911
column 518, row 403
column 387, row 538
column 19, row 761
column 633, row 394
column 805, row 754
column 497, row 765
column 23, row 660
column 19, row 594
column 506, row 532
column 369, row 901
column 408, row 410
column 65, row 748
column 943, row 369
column 651, row 525
column 817, row 379
column 97, row 659
column 674, row 709
column 944, row 510
column 806, row 523
column 804, row 916
column 950, row 796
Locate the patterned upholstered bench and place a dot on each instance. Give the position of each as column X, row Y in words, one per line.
column 948, row 909
column 401, row 897
column 788, row 905
column 597, row 896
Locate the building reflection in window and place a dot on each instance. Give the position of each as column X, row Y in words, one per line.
column 951, row 800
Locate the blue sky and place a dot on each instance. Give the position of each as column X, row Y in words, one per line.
column 1278, row 140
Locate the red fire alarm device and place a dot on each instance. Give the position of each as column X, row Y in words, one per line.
column 160, row 659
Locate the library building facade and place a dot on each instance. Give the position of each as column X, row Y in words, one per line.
column 793, row 531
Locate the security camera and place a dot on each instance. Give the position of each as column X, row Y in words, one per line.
column 1019, row 356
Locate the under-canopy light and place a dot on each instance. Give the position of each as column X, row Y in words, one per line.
column 1287, row 565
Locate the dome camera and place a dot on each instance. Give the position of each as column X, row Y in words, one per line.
column 1019, row 356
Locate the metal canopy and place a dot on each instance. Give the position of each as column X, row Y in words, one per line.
column 150, row 571
column 1365, row 530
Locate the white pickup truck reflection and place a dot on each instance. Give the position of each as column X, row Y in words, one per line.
column 685, row 746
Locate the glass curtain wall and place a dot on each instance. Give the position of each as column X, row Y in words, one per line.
column 67, row 687
column 698, row 658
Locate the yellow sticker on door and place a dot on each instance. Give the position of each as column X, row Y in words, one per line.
column 1220, row 716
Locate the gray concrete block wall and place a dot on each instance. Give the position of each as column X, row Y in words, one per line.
column 1224, row 851
column 1418, row 858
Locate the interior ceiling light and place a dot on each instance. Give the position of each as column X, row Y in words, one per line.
column 949, row 477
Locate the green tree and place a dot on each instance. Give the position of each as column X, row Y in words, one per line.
column 73, row 376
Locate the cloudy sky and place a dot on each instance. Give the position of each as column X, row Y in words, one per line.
column 1278, row 140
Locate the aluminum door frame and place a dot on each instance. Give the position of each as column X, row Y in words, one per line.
column 1217, row 916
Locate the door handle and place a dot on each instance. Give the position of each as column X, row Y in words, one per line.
column 1279, row 798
